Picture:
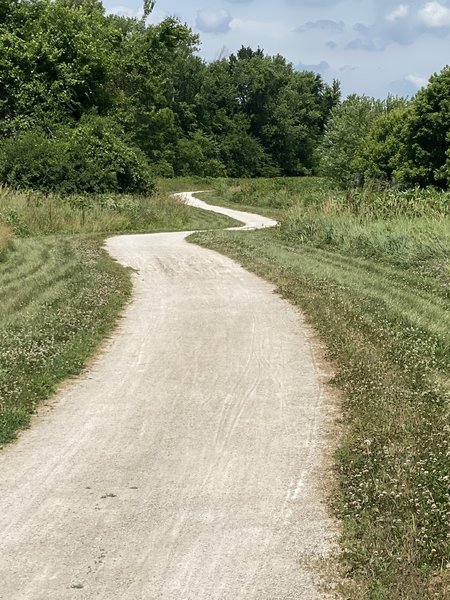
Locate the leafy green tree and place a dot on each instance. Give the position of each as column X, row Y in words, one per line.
column 383, row 152
column 244, row 156
column 198, row 154
column 72, row 75
column 425, row 136
column 154, row 104
column 92, row 157
column 296, row 123
column 148, row 8
column 278, row 113
column 55, row 62
column 346, row 131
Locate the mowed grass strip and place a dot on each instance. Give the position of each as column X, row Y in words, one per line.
column 64, row 298
column 386, row 322
column 60, row 293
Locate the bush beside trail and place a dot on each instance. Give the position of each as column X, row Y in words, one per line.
column 90, row 158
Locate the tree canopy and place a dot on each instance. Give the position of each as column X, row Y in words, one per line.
column 68, row 71
column 393, row 141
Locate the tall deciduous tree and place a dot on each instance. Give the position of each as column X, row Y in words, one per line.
column 426, row 135
column 356, row 142
column 55, row 62
column 65, row 63
column 268, row 118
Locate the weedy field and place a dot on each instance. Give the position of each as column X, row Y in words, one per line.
column 371, row 270
column 60, row 293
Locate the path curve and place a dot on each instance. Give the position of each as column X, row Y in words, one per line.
column 250, row 220
column 183, row 464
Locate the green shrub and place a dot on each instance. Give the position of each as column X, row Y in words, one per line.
column 197, row 154
column 92, row 157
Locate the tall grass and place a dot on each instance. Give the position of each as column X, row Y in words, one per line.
column 5, row 236
column 371, row 270
column 318, row 194
column 184, row 184
column 406, row 228
column 271, row 196
column 30, row 213
column 5, row 240
column 401, row 241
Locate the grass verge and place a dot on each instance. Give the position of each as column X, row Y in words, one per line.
column 384, row 315
column 60, row 296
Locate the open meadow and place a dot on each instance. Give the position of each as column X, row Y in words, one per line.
column 370, row 270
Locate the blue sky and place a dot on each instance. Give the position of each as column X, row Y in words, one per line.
column 373, row 47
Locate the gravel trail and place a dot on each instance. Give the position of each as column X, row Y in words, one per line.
column 185, row 463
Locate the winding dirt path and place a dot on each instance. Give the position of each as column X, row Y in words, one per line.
column 183, row 464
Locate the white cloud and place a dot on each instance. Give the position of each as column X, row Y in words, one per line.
column 401, row 12
column 213, row 21
column 419, row 82
column 435, row 14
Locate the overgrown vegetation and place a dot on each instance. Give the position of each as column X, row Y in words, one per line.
column 5, row 235
column 371, row 271
column 90, row 157
column 31, row 213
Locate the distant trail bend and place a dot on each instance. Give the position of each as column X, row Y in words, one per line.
column 185, row 463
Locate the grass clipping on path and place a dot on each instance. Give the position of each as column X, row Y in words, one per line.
column 385, row 317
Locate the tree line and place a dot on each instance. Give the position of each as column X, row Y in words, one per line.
column 91, row 102
column 94, row 102
column 393, row 142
